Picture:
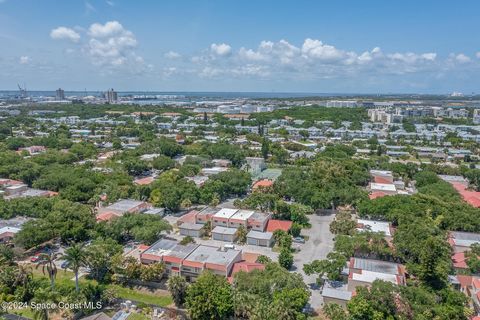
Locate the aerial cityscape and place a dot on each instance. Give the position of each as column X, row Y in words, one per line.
column 213, row 160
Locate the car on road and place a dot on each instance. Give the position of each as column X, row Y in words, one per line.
column 64, row 265
column 298, row 240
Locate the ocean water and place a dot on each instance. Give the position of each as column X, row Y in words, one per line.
column 179, row 95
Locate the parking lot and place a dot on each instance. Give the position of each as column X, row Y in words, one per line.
column 319, row 244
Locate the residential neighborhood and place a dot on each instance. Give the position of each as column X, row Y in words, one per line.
column 239, row 160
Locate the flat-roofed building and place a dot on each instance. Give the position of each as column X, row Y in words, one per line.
column 157, row 250
column 175, row 258
column 126, row 206
column 224, row 234
column 205, row 215
column 213, row 170
column 240, row 218
column 217, row 260
column 362, row 272
column 169, row 252
column 462, row 241
column 365, row 278
column 381, row 176
column 258, row 221
column 15, row 189
column 375, row 226
column 262, row 239
column 387, row 188
column 191, row 229
column 222, row 217
column 336, row 294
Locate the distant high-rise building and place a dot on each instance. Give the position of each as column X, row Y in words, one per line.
column 342, row 104
column 60, row 94
column 111, row 96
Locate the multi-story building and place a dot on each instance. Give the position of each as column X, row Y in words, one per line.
column 111, row 96
column 342, row 104
column 59, row 94
column 192, row 259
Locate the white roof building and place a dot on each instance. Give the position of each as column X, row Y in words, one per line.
column 370, row 276
column 242, row 215
column 385, row 187
column 374, row 226
column 225, row 213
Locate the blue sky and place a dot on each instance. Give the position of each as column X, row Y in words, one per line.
column 290, row 46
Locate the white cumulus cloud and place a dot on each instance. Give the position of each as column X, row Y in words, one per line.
column 221, row 49
column 64, row 33
column 316, row 49
column 107, row 45
column 312, row 59
column 110, row 28
column 462, row 58
column 24, row 60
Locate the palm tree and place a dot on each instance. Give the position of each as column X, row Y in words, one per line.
column 23, row 282
column 45, row 295
column 23, row 275
column 76, row 258
column 47, row 261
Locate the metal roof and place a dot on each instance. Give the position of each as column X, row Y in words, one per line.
column 124, row 205
column 376, row 266
column 336, row 293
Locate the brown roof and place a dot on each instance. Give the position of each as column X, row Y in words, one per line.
column 250, row 256
column 264, row 183
column 274, row 225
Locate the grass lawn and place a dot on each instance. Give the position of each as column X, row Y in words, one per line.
column 63, row 278
column 137, row 316
column 162, row 300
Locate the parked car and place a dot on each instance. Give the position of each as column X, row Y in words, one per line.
column 298, row 240
column 64, row 265
column 36, row 257
column 308, row 309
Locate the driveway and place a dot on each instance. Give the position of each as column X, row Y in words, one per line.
column 319, row 244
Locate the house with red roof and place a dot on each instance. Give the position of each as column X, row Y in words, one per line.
column 144, row 181
column 244, row 266
column 472, row 197
column 274, row 225
column 262, row 184
column 107, row 216
column 459, row 261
